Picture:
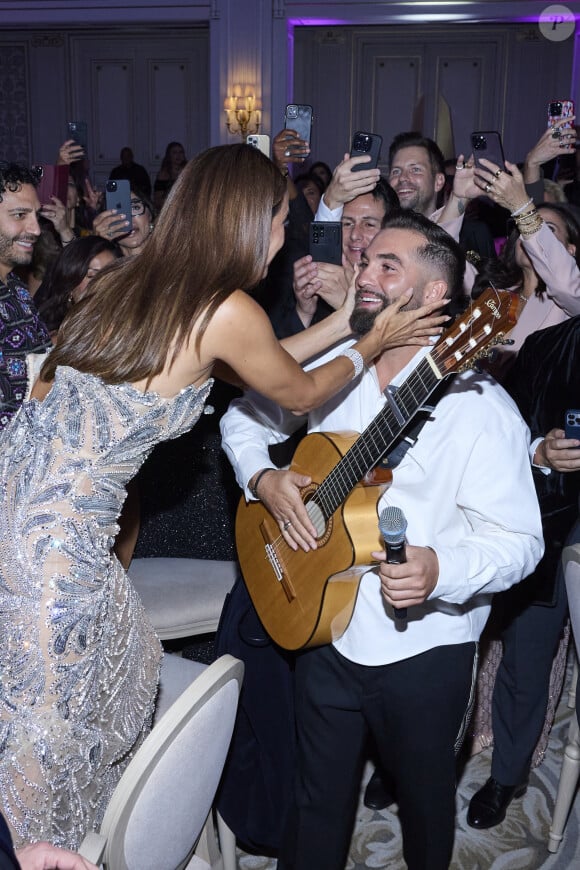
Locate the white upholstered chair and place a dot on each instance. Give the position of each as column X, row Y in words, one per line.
column 161, row 808
column 183, row 597
column 570, row 773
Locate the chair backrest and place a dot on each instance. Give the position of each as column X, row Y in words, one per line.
column 571, row 568
column 160, row 805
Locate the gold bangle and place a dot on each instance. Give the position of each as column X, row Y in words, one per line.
column 531, row 227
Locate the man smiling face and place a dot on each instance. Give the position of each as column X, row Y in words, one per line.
column 390, row 266
column 415, row 180
column 19, row 228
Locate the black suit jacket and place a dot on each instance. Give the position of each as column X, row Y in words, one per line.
column 544, row 382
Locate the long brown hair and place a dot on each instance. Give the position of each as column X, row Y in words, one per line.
column 211, row 238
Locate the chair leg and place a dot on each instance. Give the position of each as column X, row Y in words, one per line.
column 573, row 683
column 207, row 848
column 227, row 840
column 566, row 787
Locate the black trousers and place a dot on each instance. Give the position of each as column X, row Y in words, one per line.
column 415, row 710
column 531, row 634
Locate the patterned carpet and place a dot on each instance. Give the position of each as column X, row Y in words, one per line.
column 517, row 844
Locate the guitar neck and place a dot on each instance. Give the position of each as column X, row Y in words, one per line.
column 376, row 439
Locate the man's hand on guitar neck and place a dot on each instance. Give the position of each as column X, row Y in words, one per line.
column 279, row 492
column 411, row 582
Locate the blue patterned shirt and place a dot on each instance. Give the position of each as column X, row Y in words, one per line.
column 21, row 332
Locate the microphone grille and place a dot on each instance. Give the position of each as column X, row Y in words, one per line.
column 392, row 525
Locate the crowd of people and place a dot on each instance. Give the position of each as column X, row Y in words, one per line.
column 110, row 343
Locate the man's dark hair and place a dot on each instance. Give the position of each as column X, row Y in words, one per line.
column 385, row 192
column 14, row 175
column 440, row 249
column 415, row 139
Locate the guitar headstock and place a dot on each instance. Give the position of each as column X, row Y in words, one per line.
column 481, row 326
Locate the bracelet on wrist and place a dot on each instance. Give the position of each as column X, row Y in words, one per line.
column 254, row 486
column 356, row 359
column 522, row 208
column 529, row 223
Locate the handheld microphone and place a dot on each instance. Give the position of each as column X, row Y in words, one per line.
column 392, row 526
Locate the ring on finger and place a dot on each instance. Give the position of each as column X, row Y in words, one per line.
column 287, row 152
column 286, row 525
column 460, row 165
column 487, row 187
column 556, row 134
column 498, row 172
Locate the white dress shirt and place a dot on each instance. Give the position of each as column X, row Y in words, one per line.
column 465, row 488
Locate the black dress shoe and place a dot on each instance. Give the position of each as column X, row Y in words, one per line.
column 488, row 806
column 377, row 795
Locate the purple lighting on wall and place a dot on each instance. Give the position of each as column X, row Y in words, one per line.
column 318, row 22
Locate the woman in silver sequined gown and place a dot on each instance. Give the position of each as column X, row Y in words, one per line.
column 79, row 660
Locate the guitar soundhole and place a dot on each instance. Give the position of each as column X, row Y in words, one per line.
column 323, row 529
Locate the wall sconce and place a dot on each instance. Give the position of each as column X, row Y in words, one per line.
column 242, row 113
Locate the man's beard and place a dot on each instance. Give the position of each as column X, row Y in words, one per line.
column 13, row 256
column 362, row 320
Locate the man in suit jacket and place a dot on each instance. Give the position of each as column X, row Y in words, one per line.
column 544, row 382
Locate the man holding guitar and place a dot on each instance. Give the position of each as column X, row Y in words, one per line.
column 408, row 682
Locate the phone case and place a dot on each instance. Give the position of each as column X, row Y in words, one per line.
column 259, row 141
column 487, row 143
column 572, row 423
column 118, row 197
column 558, row 109
column 77, row 130
column 326, row 242
column 299, row 117
column 54, row 182
column 366, row 143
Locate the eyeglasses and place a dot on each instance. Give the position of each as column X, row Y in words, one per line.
column 137, row 207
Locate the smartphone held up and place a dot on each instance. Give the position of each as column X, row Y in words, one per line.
column 366, row 144
column 487, row 144
column 299, row 117
column 118, row 199
column 325, row 243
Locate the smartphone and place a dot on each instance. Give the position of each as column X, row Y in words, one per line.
column 572, row 423
column 558, row 109
column 53, row 182
column 366, row 143
column 299, row 117
column 326, row 242
column 487, row 143
column 259, row 141
column 77, row 130
column 118, row 198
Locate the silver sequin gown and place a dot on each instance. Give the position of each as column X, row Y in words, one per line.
column 79, row 660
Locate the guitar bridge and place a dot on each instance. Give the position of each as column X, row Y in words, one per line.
column 274, row 561
column 271, row 549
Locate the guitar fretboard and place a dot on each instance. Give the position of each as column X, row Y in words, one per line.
column 376, row 439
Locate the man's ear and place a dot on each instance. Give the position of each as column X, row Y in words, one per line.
column 434, row 290
column 439, row 181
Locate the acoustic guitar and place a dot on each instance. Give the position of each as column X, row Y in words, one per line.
column 307, row 598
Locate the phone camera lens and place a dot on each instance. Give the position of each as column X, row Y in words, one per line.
column 292, row 111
